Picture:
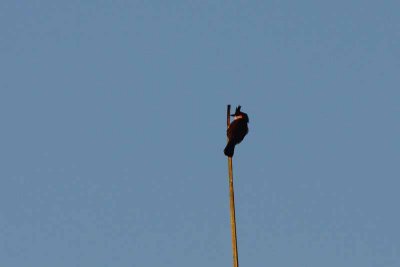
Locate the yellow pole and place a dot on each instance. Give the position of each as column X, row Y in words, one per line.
column 232, row 200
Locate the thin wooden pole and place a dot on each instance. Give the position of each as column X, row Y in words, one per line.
column 232, row 200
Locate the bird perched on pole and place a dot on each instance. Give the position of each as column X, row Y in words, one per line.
column 237, row 130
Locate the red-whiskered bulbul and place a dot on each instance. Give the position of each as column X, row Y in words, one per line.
column 237, row 130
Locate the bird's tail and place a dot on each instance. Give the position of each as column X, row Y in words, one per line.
column 229, row 149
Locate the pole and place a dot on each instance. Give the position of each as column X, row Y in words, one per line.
column 232, row 200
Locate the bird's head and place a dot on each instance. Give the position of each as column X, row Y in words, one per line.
column 240, row 115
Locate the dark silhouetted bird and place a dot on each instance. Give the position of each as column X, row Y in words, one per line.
column 237, row 130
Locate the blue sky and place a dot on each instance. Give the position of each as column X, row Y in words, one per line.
column 113, row 126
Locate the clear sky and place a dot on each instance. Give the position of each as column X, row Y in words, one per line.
column 113, row 127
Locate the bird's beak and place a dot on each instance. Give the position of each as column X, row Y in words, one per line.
column 233, row 115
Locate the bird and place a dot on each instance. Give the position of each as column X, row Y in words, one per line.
column 237, row 130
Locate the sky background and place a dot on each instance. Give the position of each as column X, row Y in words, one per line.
column 113, row 127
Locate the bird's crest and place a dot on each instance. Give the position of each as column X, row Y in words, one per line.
column 237, row 111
